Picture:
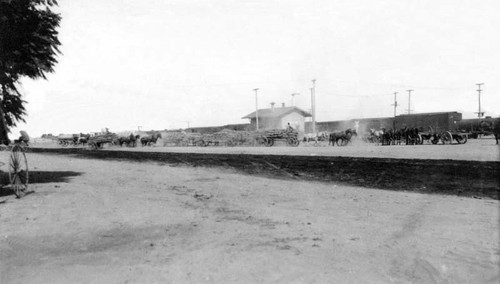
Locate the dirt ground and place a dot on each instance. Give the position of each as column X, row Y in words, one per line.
column 109, row 221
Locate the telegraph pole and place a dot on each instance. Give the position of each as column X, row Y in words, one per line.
column 479, row 113
column 313, row 105
column 293, row 96
column 256, row 110
column 409, row 100
column 395, row 106
column 395, row 103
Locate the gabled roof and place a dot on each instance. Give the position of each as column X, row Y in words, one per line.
column 277, row 112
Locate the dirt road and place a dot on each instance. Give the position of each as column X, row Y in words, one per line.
column 100, row 221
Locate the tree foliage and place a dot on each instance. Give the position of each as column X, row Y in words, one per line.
column 28, row 48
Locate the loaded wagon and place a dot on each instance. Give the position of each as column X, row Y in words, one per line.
column 289, row 136
column 98, row 141
column 66, row 140
column 446, row 137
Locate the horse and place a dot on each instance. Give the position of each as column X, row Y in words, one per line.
column 376, row 135
column 411, row 136
column 390, row 137
column 334, row 137
column 147, row 140
column 343, row 136
column 348, row 135
column 83, row 139
column 320, row 136
column 129, row 141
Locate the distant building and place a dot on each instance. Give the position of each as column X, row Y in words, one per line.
column 361, row 125
column 279, row 117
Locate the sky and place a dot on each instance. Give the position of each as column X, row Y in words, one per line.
column 167, row 64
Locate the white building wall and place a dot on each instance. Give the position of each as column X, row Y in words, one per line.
column 295, row 119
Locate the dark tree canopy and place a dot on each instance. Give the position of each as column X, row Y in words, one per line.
column 28, row 48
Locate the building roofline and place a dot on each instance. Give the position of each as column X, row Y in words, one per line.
column 267, row 110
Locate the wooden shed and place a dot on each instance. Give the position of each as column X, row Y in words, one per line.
column 278, row 118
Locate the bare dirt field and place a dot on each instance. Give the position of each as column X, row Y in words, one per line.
column 105, row 219
column 464, row 170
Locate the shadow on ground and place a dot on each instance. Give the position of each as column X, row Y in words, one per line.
column 452, row 177
column 36, row 177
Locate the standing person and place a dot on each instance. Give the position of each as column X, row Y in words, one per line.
column 496, row 130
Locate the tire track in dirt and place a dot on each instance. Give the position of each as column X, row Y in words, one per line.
column 407, row 263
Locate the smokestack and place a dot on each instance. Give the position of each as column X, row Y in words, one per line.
column 272, row 105
column 282, row 104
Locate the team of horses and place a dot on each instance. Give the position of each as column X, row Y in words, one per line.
column 133, row 140
column 339, row 138
column 77, row 139
column 150, row 139
column 129, row 141
column 410, row 136
column 316, row 137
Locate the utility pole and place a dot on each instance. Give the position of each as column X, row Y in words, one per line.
column 409, row 100
column 188, row 123
column 395, row 103
column 293, row 96
column 256, row 110
column 313, row 105
column 395, row 106
column 479, row 113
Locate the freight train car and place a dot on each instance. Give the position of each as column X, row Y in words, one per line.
column 437, row 121
column 477, row 126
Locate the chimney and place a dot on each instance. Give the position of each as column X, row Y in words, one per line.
column 272, row 106
column 282, row 104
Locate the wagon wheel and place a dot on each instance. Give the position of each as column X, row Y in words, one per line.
column 292, row 141
column 93, row 145
column 461, row 139
column 419, row 139
column 434, row 139
column 446, row 137
column 18, row 171
column 268, row 142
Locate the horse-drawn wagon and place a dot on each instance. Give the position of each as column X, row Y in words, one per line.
column 98, row 141
column 66, row 140
column 446, row 137
column 289, row 135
